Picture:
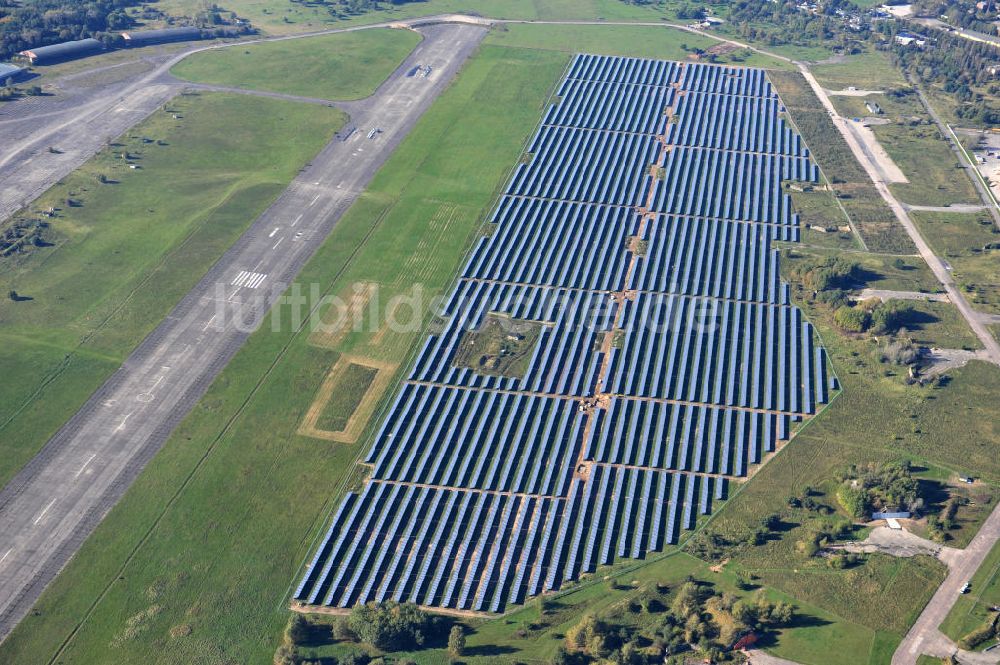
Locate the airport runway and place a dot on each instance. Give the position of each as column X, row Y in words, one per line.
column 61, row 495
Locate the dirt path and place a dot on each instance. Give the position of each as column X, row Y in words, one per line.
column 887, row 294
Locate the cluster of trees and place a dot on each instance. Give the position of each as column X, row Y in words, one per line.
column 698, row 618
column 831, row 273
column 392, row 626
column 41, row 22
column 873, row 316
column 387, row 626
column 868, row 488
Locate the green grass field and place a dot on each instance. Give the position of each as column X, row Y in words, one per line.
column 341, row 66
column 965, row 241
column 214, row 531
column 634, row 41
column 124, row 252
column 972, row 609
column 285, row 16
column 925, row 157
column 872, row 70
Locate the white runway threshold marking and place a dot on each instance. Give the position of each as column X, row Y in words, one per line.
column 45, row 510
column 250, row 280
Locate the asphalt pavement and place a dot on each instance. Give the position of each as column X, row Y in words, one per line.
column 60, row 496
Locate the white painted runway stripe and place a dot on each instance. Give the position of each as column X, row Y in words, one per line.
column 296, row 220
column 5, row 554
column 278, row 243
column 315, row 199
column 45, row 510
column 256, row 280
column 276, row 228
column 251, row 280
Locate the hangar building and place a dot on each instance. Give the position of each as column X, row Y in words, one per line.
column 46, row 55
column 137, row 38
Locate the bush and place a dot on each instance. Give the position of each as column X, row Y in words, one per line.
column 354, row 657
column 286, row 655
column 852, row 319
column 853, row 501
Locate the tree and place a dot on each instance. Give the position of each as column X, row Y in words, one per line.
column 297, row 630
column 456, row 642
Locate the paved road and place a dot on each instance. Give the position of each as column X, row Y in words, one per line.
column 973, row 317
column 924, row 637
column 54, row 503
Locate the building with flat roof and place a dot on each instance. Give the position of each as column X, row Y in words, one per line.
column 137, row 38
column 45, row 55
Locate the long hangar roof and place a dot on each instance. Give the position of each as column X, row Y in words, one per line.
column 63, row 51
column 142, row 37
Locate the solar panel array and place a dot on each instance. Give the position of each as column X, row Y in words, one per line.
column 637, row 235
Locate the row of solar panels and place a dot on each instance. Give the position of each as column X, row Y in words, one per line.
column 458, row 437
column 573, row 245
column 683, row 437
column 705, row 350
column 729, row 185
column 718, row 258
column 555, row 243
column 733, row 123
column 481, row 550
column 586, row 165
column 621, row 107
column 695, row 77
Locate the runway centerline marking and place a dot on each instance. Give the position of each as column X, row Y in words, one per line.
column 276, row 229
column 85, row 465
column 296, row 220
column 315, row 200
column 121, row 425
column 44, row 510
column 5, row 554
column 278, row 243
column 209, row 323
